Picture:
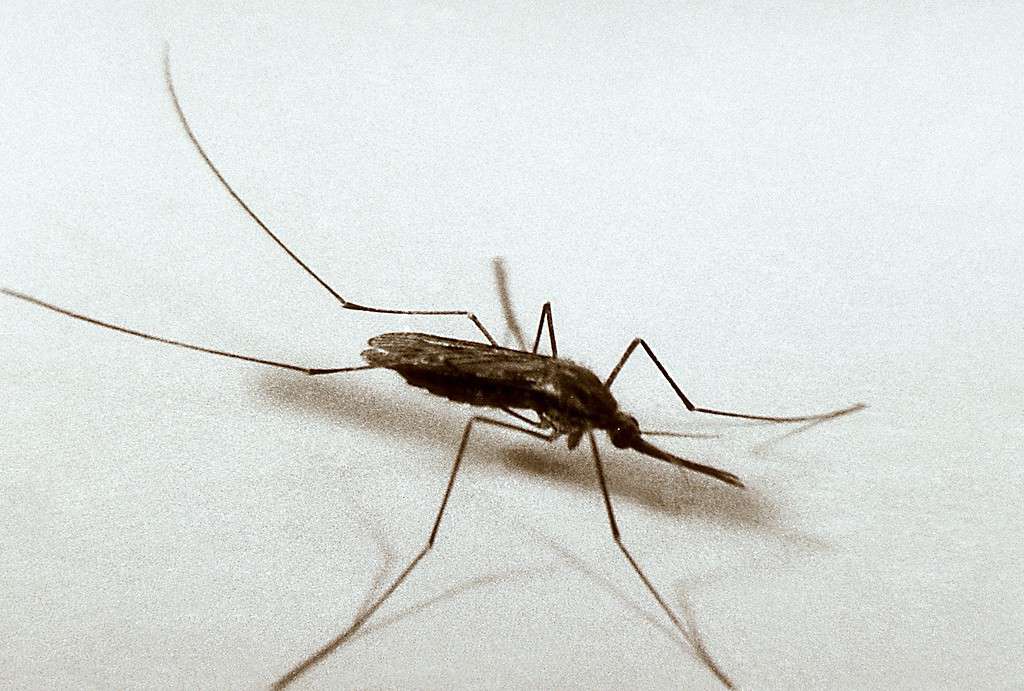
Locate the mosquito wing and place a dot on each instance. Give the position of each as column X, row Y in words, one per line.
column 436, row 356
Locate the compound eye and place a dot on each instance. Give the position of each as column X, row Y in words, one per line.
column 623, row 435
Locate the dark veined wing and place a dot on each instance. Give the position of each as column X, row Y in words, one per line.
column 485, row 375
column 428, row 354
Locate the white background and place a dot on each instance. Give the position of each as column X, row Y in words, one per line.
column 799, row 209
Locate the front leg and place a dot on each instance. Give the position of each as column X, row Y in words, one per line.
column 711, row 411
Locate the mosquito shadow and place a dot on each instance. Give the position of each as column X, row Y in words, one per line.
column 355, row 400
column 656, row 485
column 497, row 578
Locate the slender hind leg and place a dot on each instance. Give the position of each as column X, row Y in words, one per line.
column 180, row 344
column 511, row 322
column 505, row 298
column 690, row 637
column 366, row 613
column 545, row 316
column 347, row 304
column 711, row 411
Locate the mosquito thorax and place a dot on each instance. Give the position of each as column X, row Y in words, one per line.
column 625, row 431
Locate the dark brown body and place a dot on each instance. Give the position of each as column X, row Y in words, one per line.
column 567, row 397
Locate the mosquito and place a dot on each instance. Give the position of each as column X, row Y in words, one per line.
column 566, row 399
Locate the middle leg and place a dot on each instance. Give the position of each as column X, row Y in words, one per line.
column 689, row 636
column 368, row 612
column 712, row 411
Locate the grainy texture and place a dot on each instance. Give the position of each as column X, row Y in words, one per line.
column 791, row 205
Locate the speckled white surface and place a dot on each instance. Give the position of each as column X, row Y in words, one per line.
column 798, row 208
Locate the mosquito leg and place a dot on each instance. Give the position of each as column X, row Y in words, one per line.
column 545, row 316
column 366, row 613
column 501, row 283
column 693, row 640
column 520, row 416
column 180, row 344
column 347, row 304
column 501, row 280
column 711, row 411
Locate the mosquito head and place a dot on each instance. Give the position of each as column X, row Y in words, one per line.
column 626, row 432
